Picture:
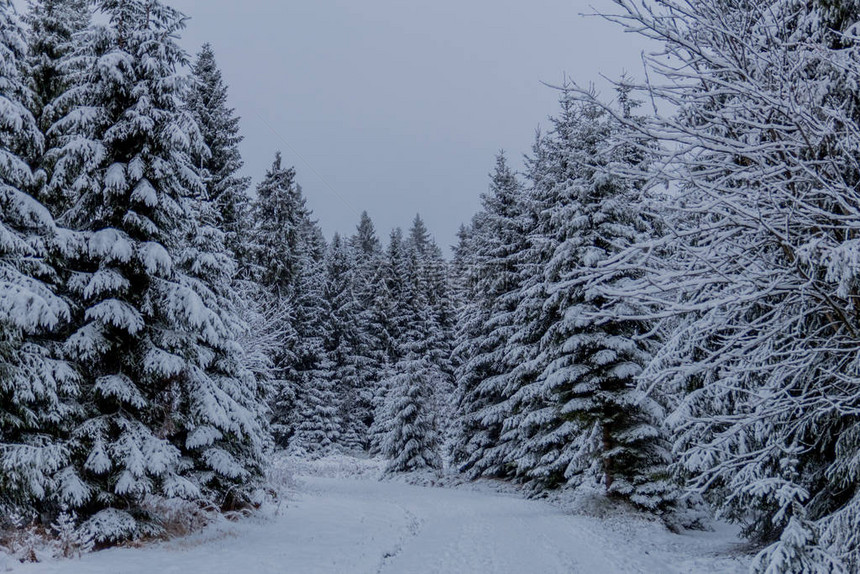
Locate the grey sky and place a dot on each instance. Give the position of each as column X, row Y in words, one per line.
column 398, row 106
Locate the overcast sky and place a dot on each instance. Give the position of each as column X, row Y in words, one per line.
column 399, row 106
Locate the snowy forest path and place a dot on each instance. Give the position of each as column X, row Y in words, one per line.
column 349, row 525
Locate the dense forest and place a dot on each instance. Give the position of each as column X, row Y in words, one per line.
column 662, row 303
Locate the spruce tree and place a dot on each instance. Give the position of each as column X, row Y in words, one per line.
column 526, row 407
column 485, row 326
column 344, row 342
column 57, row 28
column 364, row 242
column 396, row 274
column 409, row 436
column 408, row 419
column 431, row 277
column 462, row 266
column 369, row 289
column 277, row 219
column 277, row 231
column 389, row 322
column 419, row 238
column 39, row 391
column 594, row 354
column 210, row 270
column 53, row 29
column 207, row 100
column 171, row 410
column 316, row 419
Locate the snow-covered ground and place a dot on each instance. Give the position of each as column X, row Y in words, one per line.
column 344, row 520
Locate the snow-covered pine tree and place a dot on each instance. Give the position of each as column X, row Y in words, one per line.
column 531, row 424
column 526, row 408
column 228, row 382
column 369, row 289
column 367, row 255
column 485, row 327
column 762, row 227
column 53, row 26
column 207, row 100
column 38, row 391
column 462, row 280
column 365, row 242
column 432, row 276
column 318, row 425
column 270, row 256
column 440, row 300
column 410, row 438
column 277, row 219
column 316, row 417
column 419, row 238
column 383, row 308
column 170, row 409
column 389, row 322
column 396, row 273
column 602, row 424
column 461, row 266
column 344, row 343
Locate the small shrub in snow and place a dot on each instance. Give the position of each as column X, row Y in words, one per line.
column 110, row 526
column 71, row 540
column 797, row 552
column 178, row 517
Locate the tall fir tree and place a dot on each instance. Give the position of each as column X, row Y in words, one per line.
column 39, row 392
column 408, row 419
column 53, row 28
column 369, row 289
column 316, row 418
column 171, row 410
column 485, row 326
column 344, row 342
column 277, row 219
column 396, row 274
column 277, row 231
column 602, row 424
column 389, row 323
column 58, row 28
column 431, row 274
column 409, row 436
column 208, row 102
column 462, row 265
column 526, row 405
column 364, row 242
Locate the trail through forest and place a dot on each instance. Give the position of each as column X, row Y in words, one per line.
column 348, row 524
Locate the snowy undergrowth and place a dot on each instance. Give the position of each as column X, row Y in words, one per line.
column 181, row 523
column 331, row 466
column 184, row 524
